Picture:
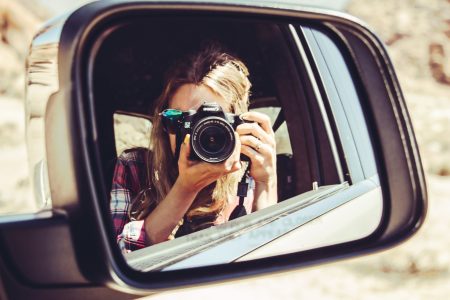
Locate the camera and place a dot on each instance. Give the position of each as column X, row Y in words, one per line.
column 211, row 129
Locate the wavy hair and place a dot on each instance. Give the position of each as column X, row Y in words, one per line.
column 226, row 76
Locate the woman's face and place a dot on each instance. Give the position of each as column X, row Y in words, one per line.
column 191, row 96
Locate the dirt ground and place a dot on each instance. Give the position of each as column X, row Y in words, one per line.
column 14, row 190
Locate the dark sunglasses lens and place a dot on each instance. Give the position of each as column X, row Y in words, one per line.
column 170, row 119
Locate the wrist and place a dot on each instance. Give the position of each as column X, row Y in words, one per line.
column 188, row 189
column 266, row 194
column 269, row 183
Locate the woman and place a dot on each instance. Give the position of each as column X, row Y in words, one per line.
column 156, row 197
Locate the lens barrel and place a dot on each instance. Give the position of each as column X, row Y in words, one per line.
column 212, row 139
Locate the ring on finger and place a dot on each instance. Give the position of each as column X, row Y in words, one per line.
column 258, row 146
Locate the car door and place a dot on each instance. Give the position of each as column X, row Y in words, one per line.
column 340, row 109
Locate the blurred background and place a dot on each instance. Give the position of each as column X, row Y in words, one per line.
column 417, row 36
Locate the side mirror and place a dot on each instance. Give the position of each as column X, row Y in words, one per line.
column 352, row 181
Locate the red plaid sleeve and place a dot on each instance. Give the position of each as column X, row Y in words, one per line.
column 127, row 180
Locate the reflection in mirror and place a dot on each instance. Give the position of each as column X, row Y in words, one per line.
column 232, row 140
column 131, row 131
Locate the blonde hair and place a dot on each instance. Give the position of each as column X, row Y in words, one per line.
column 226, row 76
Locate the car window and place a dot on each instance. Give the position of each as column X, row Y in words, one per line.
column 281, row 132
column 310, row 160
column 131, row 132
column 345, row 104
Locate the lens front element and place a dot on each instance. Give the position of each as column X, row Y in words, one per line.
column 213, row 139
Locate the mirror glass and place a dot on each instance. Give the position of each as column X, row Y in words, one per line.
column 197, row 180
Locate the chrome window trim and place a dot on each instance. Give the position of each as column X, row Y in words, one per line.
column 320, row 102
column 242, row 244
column 171, row 252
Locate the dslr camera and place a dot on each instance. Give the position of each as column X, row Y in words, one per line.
column 211, row 129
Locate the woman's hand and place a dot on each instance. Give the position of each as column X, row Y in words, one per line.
column 195, row 175
column 258, row 143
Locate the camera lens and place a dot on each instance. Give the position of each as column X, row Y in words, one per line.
column 213, row 139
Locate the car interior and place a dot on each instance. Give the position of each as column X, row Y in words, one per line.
column 132, row 57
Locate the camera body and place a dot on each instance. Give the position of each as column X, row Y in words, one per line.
column 212, row 132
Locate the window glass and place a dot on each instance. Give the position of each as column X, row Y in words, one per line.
column 281, row 134
column 131, row 132
column 344, row 103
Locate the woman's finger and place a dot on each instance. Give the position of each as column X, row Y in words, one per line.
column 185, row 150
column 257, row 145
column 237, row 148
column 255, row 130
column 228, row 166
column 262, row 149
column 236, row 156
column 255, row 157
column 233, row 163
column 262, row 119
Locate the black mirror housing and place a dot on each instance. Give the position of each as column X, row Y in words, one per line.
column 71, row 150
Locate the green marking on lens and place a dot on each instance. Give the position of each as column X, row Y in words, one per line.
column 172, row 113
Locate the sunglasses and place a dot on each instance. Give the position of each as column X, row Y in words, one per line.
column 171, row 119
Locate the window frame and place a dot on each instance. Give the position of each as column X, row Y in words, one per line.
column 344, row 192
column 342, row 112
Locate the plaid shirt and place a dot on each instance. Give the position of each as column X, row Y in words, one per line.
column 128, row 180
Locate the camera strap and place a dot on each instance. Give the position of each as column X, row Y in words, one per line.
column 178, row 141
column 242, row 192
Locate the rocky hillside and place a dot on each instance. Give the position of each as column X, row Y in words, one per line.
column 417, row 35
column 17, row 27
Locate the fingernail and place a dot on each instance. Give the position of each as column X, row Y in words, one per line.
column 186, row 139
